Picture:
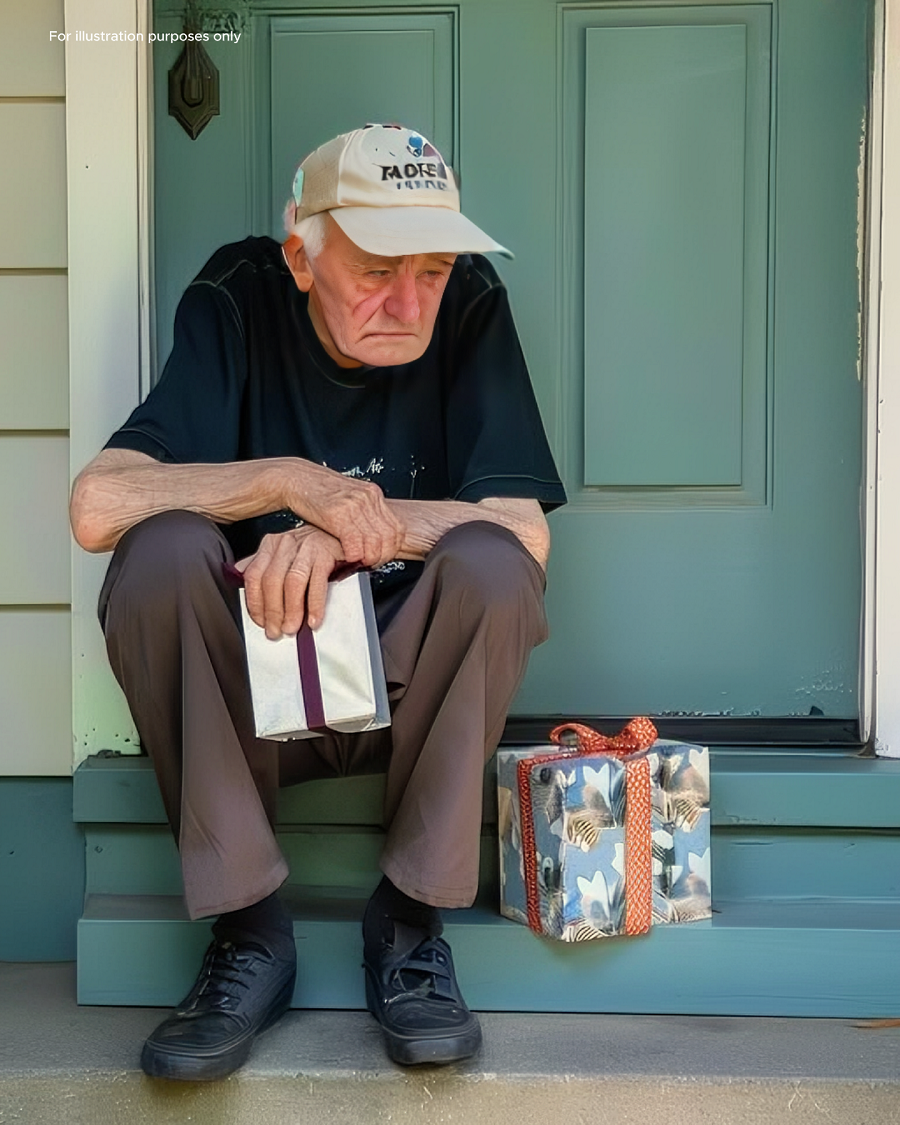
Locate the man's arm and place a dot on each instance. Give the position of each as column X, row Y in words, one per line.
column 425, row 521
column 122, row 487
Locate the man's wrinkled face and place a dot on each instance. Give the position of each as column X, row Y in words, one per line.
column 367, row 309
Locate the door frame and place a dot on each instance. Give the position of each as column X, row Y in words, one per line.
column 109, row 169
column 881, row 633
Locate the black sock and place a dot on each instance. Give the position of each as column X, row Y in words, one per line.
column 388, row 905
column 266, row 923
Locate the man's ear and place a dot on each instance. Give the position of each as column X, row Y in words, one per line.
column 298, row 263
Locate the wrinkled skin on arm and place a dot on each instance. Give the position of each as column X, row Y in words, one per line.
column 121, row 487
column 347, row 519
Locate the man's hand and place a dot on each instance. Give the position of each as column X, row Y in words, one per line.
column 352, row 510
column 287, row 577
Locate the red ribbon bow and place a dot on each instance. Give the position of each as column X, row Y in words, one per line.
column 633, row 738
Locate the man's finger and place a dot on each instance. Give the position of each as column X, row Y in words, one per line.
column 317, row 590
column 272, row 586
column 390, row 546
column 371, row 548
column 381, row 539
column 352, row 543
column 295, row 593
column 253, row 573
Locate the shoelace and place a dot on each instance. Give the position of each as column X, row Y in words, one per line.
column 223, row 978
column 430, row 963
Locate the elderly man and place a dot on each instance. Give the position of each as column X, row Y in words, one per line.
column 356, row 394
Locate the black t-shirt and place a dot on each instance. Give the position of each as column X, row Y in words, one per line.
column 248, row 378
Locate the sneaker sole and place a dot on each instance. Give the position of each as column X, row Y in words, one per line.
column 191, row 1068
column 421, row 1050
column 160, row 1063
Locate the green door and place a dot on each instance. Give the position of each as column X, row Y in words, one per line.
column 680, row 185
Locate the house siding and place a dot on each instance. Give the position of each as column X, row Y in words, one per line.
column 35, row 583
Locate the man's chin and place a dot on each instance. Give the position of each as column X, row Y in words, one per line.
column 389, row 351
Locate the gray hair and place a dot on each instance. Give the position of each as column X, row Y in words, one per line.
column 313, row 230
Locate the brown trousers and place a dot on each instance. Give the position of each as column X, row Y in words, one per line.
column 454, row 651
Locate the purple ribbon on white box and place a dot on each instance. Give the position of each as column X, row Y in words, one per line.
column 310, row 683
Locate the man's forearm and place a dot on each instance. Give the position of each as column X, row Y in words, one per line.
column 426, row 521
column 120, row 488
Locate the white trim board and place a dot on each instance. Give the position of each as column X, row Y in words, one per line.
column 869, row 236
column 108, row 287
column 887, row 357
column 109, row 213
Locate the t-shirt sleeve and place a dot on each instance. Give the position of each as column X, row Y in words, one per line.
column 193, row 412
column 495, row 437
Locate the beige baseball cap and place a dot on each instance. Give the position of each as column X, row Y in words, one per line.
column 390, row 191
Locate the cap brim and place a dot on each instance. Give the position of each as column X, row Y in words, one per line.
column 395, row 231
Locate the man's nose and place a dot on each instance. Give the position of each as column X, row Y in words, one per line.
column 403, row 301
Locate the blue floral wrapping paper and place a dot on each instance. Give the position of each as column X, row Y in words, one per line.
column 579, row 827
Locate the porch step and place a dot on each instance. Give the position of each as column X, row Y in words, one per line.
column 750, row 786
column 747, row 863
column 805, row 888
column 755, row 958
column 65, row 1065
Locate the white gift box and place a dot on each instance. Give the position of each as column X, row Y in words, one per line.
column 331, row 677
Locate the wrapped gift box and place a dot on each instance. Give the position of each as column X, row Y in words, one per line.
column 574, row 845
column 329, row 677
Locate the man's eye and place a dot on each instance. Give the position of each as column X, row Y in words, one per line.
column 376, row 273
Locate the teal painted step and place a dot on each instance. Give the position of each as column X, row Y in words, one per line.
column 748, row 863
column 749, row 786
column 143, row 860
column 805, row 882
column 812, row 958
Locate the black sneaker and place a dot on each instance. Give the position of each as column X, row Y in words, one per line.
column 242, row 989
column 411, row 990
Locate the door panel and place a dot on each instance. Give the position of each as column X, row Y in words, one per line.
column 393, row 68
column 664, row 221
column 714, row 599
column 680, row 186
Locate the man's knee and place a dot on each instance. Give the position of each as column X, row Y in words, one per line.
column 487, row 567
column 163, row 556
